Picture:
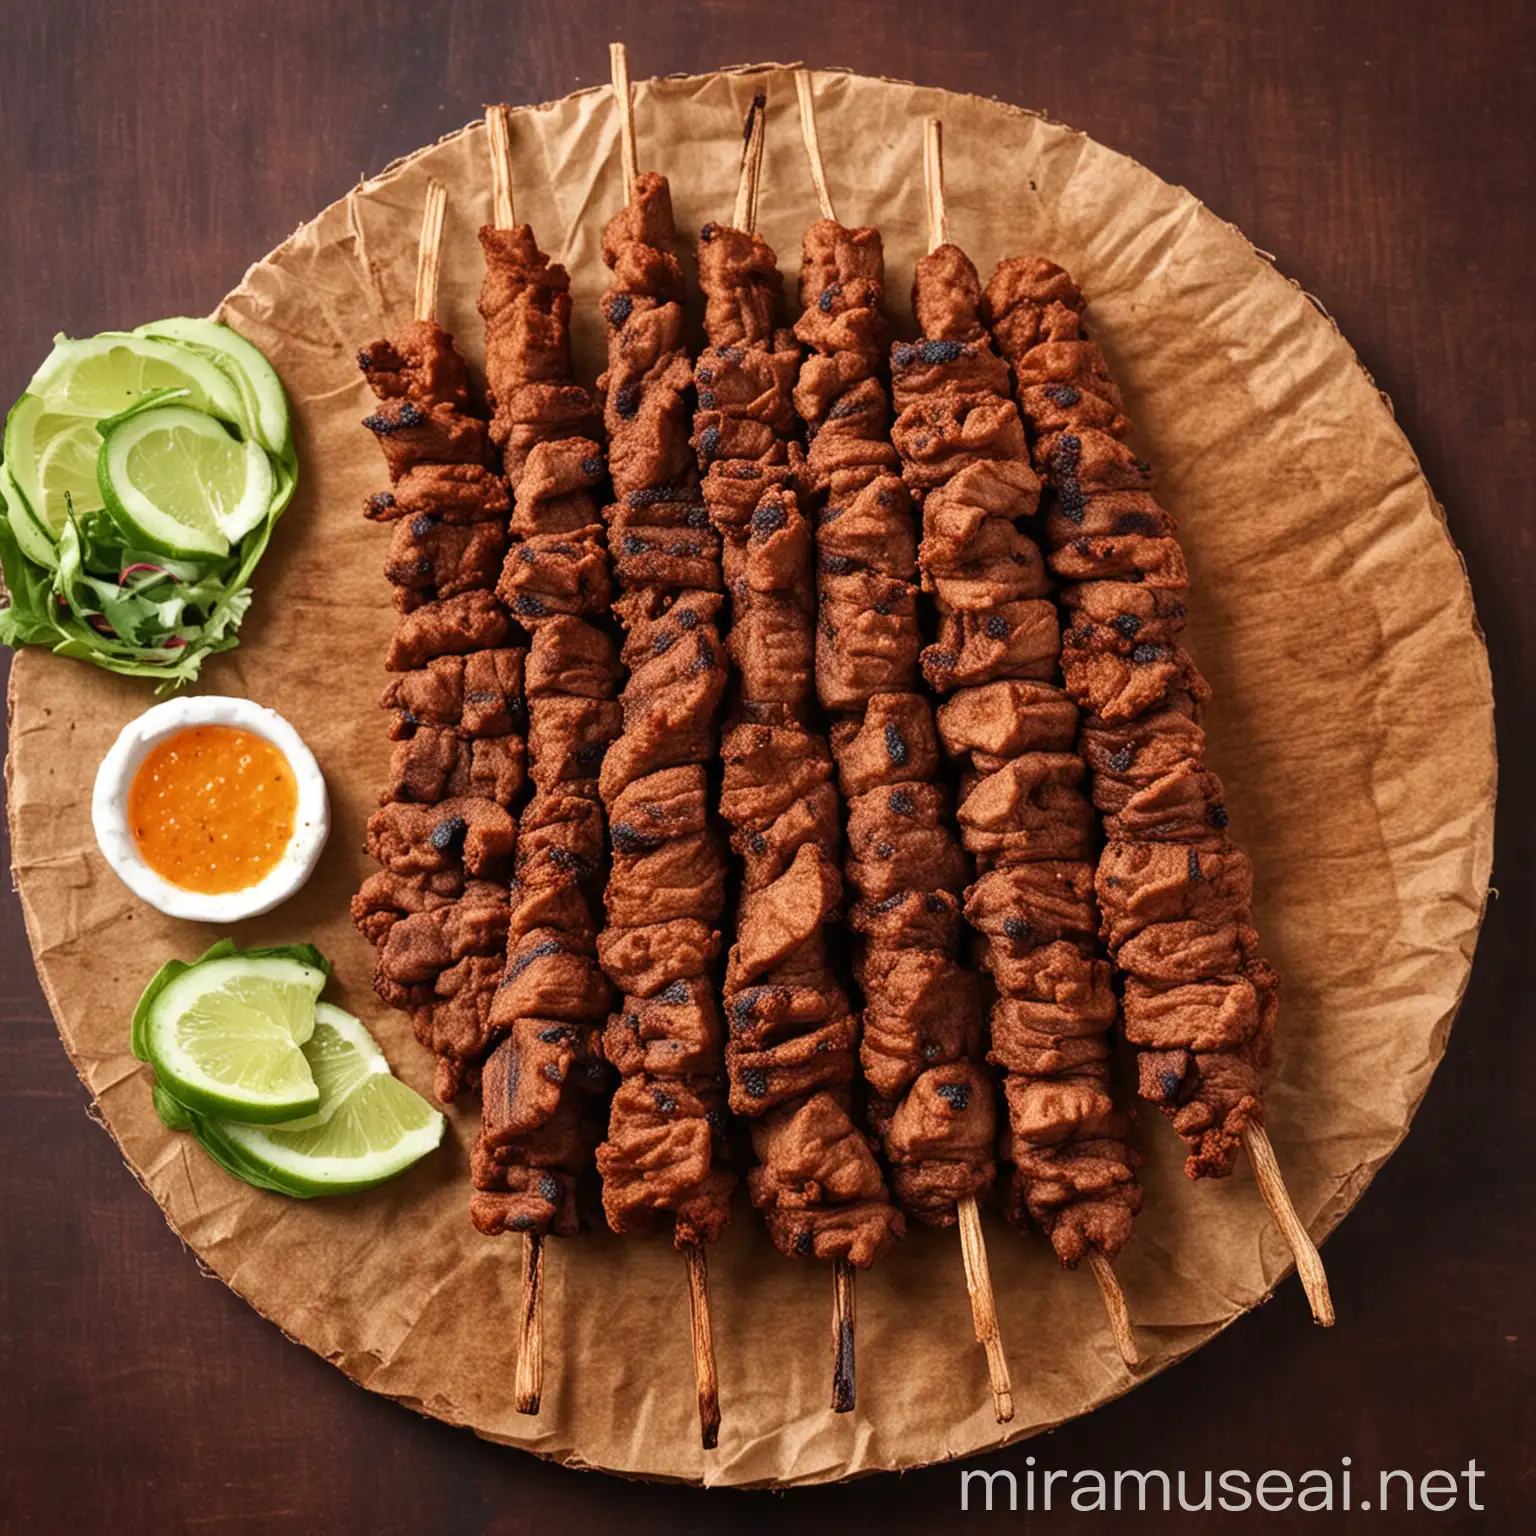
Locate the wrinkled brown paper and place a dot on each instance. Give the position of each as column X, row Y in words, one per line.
column 1353, row 727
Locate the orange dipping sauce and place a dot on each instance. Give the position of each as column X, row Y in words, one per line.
column 212, row 808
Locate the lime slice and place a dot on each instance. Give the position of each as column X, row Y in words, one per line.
column 224, row 1038
column 30, row 534
column 261, row 390
column 368, row 1127
column 103, row 375
column 176, row 480
column 53, row 461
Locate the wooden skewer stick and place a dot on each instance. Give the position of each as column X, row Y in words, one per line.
column 844, row 1388
column 429, row 252
column 1309, row 1263
column 530, row 1346
column 703, row 1346
column 812, row 142
column 498, row 123
column 1114, row 1304
column 978, row 1281
column 933, row 181
column 745, row 216
column 618, row 61
column 705, row 1376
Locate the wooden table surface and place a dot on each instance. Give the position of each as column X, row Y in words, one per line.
column 1383, row 152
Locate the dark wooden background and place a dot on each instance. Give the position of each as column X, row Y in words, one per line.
column 1382, row 151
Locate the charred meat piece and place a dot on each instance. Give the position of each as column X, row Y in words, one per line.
column 429, row 559
column 419, row 363
column 470, row 834
column 411, row 435
column 423, row 943
column 472, row 621
column 384, row 898
column 438, row 763
column 452, row 493
column 480, row 694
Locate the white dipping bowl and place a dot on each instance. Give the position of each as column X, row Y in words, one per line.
column 109, row 809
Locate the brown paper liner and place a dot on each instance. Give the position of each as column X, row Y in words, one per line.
column 1353, row 727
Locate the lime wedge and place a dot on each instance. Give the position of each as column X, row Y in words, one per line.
column 53, row 461
column 368, row 1127
column 103, row 375
column 224, row 1038
column 174, row 479
column 260, row 388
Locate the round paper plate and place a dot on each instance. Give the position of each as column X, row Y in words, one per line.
column 1353, row 726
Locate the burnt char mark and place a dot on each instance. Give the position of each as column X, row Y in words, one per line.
column 956, row 1095
column 409, row 415
column 844, row 1390
column 448, row 835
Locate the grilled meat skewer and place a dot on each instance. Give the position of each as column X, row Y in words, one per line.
column 1009, row 726
column 793, row 1035
column 1175, row 891
column 922, row 1045
column 546, row 1087
column 665, row 1161
column 444, row 836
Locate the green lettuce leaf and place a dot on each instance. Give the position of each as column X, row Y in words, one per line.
column 27, row 619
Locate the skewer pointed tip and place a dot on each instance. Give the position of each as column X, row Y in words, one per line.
column 498, row 124
column 933, row 182
column 1114, row 1305
column 805, row 95
column 618, row 64
column 978, row 1282
column 705, row 1378
column 530, row 1350
column 1309, row 1263
column 844, row 1387
column 753, row 133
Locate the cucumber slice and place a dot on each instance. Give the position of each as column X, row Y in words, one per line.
column 33, row 538
column 176, row 481
column 265, row 401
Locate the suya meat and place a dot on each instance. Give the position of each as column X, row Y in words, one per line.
column 1175, row 891
column 922, row 1041
column 546, row 1086
column 665, row 1161
column 437, row 911
column 793, row 1034
column 1010, row 727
